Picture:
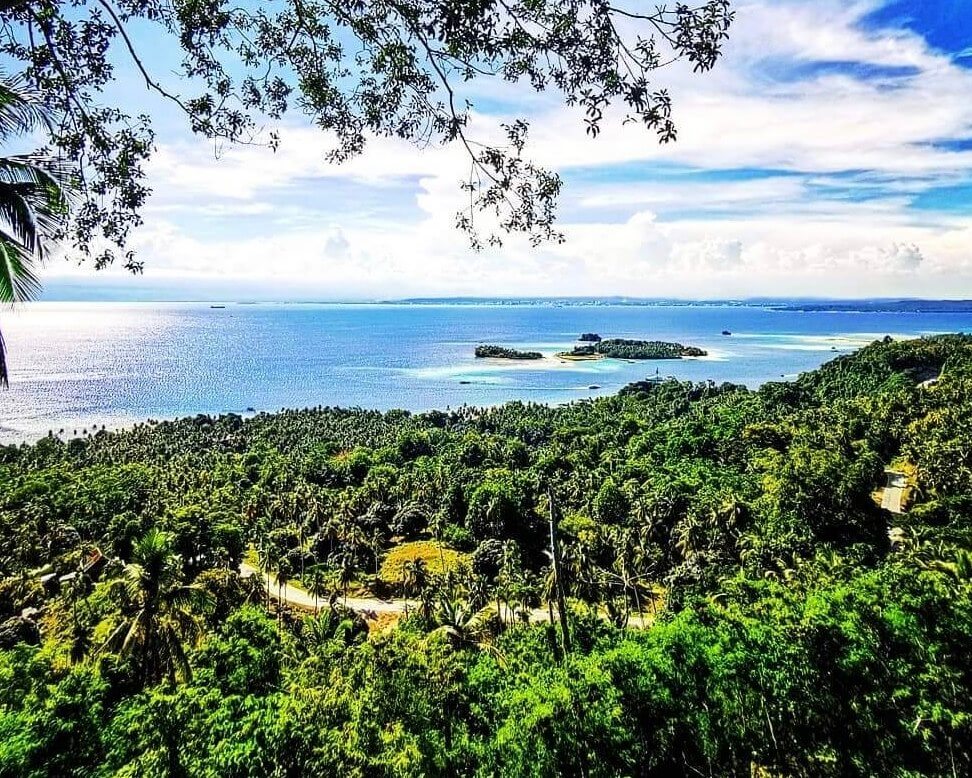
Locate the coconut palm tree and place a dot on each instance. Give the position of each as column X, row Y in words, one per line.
column 317, row 584
column 463, row 625
column 284, row 574
column 344, row 562
column 265, row 557
column 34, row 198
column 376, row 542
column 415, row 580
column 160, row 614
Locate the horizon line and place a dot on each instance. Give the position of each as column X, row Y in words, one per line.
column 523, row 299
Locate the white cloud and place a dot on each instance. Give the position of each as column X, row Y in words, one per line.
column 761, row 108
column 679, row 194
column 336, row 245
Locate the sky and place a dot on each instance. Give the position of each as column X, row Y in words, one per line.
column 828, row 154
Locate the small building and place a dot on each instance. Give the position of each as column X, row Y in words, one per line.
column 94, row 564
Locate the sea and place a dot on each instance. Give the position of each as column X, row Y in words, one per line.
column 76, row 367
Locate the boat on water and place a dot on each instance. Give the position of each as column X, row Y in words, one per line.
column 726, row 332
column 217, row 306
column 593, row 386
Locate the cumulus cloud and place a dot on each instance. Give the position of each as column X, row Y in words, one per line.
column 820, row 168
column 900, row 257
column 708, row 255
column 336, row 245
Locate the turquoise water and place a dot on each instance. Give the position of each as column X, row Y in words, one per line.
column 75, row 365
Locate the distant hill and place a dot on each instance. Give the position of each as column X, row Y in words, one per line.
column 875, row 305
column 882, row 306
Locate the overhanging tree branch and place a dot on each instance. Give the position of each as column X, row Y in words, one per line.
column 387, row 68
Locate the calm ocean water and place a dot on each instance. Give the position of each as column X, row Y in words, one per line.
column 75, row 365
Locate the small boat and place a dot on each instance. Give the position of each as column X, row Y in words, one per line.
column 726, row 332
column 217, row 306
column 465, row 382
column 250, row 409
column 593, row 386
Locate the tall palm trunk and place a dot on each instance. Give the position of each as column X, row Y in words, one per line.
column 3, row 362
column 559, row 584
column 641, row 612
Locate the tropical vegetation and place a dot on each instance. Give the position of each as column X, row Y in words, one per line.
column 621, row 348
column 682, row 579
column 498, row 352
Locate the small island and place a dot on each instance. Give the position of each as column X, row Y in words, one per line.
column 619, row 348
column 498, row 352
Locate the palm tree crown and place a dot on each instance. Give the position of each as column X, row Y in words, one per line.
column 34, row 198
column 161, row 611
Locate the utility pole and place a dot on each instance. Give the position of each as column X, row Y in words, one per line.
column 555, row 561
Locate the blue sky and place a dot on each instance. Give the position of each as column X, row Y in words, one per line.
column 830, row 153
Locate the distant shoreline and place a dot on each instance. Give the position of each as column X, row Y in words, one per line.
column 810, row 305
column 783, row 304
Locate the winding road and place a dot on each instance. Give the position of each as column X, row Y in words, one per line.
column 371, row 606
column 298, row 598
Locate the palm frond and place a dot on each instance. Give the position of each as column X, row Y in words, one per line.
column 138, row 631
column 35, row 199
column 21, row 108
column 18, row 281
column 134, row 575
column 446, row 630
column 17, row 217
column 193, row 597
column 43, row 170
column 47, row 206
column 113, row 639
column 179, row 666
column 36, row 195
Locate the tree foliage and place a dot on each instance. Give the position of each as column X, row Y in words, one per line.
column 394, row 68
column 735, row 600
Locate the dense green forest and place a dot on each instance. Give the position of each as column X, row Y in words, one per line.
column 620, row 348
column 733, row 600
column 498, row 352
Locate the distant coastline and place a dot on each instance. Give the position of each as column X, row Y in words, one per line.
column 882, row 306
column 814, row 305
column 792, row 304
